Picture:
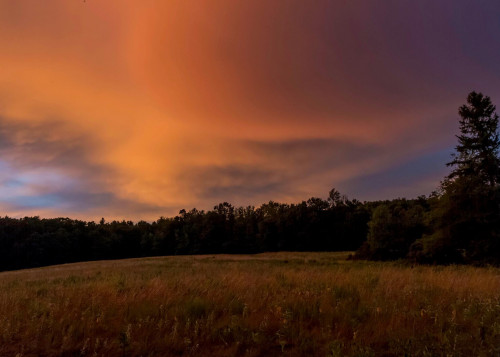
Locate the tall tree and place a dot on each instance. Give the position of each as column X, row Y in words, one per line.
column 465, row 219
column 478, row 143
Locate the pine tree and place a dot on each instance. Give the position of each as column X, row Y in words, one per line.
column 478, row 144
column 465, row 218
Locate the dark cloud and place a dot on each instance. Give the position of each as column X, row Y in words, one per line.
column 238, row 184
column 311, row 155
column 51, row 161
column 288, row 169
column 78, row 201
column 49, row 144
column 278, row 170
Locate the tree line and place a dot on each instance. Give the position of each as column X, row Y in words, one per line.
column 459, row 223
column 334, row 224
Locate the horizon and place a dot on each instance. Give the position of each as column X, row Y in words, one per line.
column 135, row 110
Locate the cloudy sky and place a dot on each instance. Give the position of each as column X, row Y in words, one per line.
column 130, row 109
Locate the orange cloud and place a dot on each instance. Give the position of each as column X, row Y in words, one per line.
column 173, row 105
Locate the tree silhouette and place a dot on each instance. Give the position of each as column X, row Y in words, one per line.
column 478, row 144
column 465, row 218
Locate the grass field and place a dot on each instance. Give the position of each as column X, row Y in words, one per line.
column 291, row 304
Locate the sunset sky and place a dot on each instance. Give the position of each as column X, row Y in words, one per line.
column 135, row 109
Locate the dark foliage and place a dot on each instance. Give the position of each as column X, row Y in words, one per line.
column 394, row 226
column 477, row 158
column 313, row 225
column 465, row 219
column 460, row 223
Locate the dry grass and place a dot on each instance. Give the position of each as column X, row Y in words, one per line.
column 295, row 304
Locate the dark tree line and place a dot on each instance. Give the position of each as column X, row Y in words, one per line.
column 461, row 222
column 458, row 224
column 314, row 225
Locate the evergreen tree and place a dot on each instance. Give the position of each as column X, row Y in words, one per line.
column 478, row 144
column 465, row 218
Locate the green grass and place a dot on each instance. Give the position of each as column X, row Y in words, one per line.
column 290, row 304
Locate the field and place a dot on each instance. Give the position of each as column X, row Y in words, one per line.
column 290, row 304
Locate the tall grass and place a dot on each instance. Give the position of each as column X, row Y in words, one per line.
column 270, row 304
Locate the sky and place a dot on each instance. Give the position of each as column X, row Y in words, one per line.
column 129, row 109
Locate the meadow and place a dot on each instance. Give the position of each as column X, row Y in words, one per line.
column 272, row 304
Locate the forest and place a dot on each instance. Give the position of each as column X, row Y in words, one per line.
column 458, row 223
